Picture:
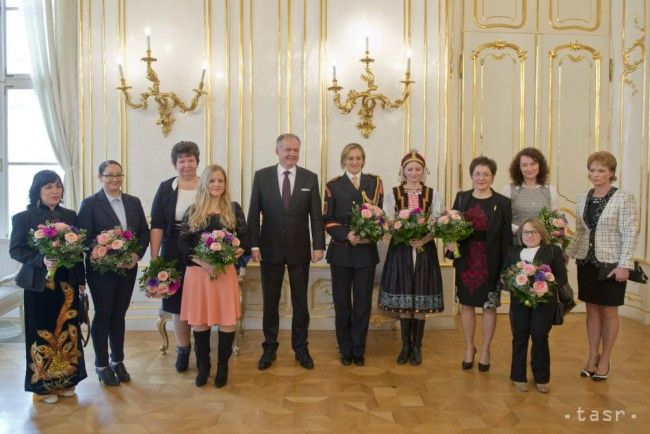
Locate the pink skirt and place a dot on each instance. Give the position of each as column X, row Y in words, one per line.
column 208, row 301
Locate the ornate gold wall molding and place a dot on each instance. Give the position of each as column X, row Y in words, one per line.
column 634, row 56
column 555, row 22
column 479, row 20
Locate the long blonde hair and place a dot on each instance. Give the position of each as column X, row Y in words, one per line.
column 198, row 213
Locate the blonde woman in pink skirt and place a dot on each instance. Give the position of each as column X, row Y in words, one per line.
column 207, row 302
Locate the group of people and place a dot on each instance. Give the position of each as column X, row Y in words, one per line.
column 285, row 229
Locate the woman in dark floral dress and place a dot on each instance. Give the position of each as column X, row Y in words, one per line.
column 55, row 358
column 481, row 257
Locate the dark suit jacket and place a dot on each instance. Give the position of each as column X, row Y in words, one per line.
column 97, row 215
column 340, row 197
column 499, row 233
column 163, row 208
column 283, row 235
column 32, row 274
column 548, row 254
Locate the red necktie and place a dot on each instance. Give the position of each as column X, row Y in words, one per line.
column 286, row 190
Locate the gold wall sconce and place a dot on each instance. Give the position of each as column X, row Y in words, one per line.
column 167, row 101
column 369, row 97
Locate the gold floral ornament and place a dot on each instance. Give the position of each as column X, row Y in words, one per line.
column 59, row 356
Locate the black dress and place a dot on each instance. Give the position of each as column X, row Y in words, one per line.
column 406, row 287
column 53, row 348
column 590, row 289
column 163, row 216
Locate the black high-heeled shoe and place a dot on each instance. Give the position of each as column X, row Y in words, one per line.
column 601, row 377
column 468, row 365
column 107, row 376
column 483, row 367
column 586, row 373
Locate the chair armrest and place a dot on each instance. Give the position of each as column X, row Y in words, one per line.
column 8, row 279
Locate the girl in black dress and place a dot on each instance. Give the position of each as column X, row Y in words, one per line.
column 53, row 348
column 411, row 282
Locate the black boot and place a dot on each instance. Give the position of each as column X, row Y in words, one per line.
column 405, row 325
column 183, row 358
column 416, row 350
column 202, row 353
column 224, row 352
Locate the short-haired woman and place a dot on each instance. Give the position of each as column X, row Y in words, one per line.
column 209, row 301
column 171, row 201
column 607, row 226
column 481, row 257
column 534, row 323
column 53, row 348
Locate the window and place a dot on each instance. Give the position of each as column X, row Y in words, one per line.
column 24, row 145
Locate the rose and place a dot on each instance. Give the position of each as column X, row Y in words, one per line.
column 443, row 220
column 540, row 287
column 377, row 211
column 219, row 234
column 128, row 235
column 56, row 243
column 204, row 236
column 366, row 213
column 71, row 237
column 557, row 233
column 456, row 216
column 397, row 225
column 61, row 226
column 49, row 232
column 520, row 264
column 102, row 239
column 529, row 269
column 163, row 288
column 549, row 276
column 39, row 234
column 235, row 242
column 545, row 268
column 385, row 226
column 94, row 254
column 452, row 212
column 163, row 275
column 521, row 279
column 101, row 251
column 118, row 232
column 421, row 221
column 215, row 247
column 117, row 244
column 404, row 214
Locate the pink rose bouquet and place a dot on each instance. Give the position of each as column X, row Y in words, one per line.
column 368, row 221
column 60, row 242
column 530, row 283
column 556, row 224
column 112, row 250
column 452, row 227
column 218, row 248
column 160, row 279
column 410, row 225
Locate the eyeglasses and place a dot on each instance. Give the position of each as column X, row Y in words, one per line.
column 533, row 232
column 120, row 176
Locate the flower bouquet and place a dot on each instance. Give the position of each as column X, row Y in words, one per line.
column 451, row 227
column 368, row 221
column 530, row 283
column 410, row 225
column 112, row 250
column 556, row 224
column 218, row 248
column 60, row 242
column 160, row 279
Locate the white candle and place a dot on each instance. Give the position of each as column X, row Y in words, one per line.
column 408, row 61
column 203, row 75
column 367, row 44
column 334, row 72
column 147, row 31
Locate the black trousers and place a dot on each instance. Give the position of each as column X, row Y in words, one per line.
column 272, row 275
column 352, row 294
column 111, row 294
column 537, row 324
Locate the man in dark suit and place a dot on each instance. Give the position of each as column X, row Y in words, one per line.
column 287, row 196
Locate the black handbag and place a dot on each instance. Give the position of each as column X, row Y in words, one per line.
column 558, row 315
column 565, row 296
column 637, row 274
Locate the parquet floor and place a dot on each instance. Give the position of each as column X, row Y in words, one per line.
column 379, row 397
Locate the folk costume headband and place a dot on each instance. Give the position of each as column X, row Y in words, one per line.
column 413, row 156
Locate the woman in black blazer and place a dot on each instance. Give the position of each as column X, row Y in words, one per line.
column 481, row 256
column 173, row 198
column 44, row 307
column 534, row 248
column 111, row 292
column 352, row 259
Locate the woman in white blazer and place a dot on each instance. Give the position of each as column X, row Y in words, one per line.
column 607, row 226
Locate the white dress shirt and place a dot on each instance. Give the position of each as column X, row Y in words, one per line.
column 292, row 177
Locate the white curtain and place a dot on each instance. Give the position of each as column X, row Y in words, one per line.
column 52, row 29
